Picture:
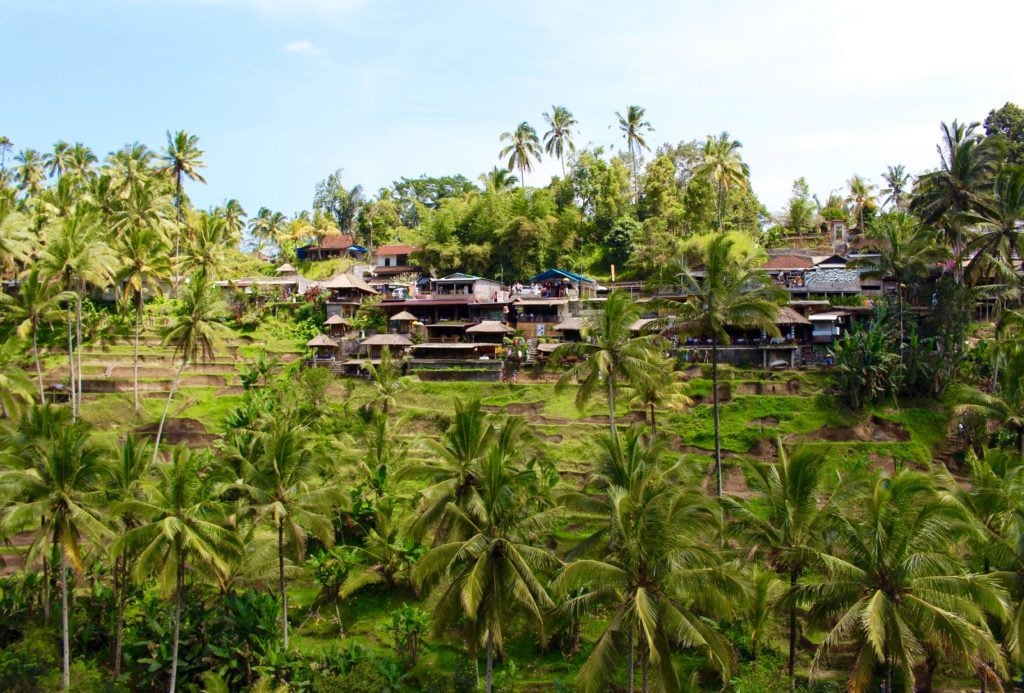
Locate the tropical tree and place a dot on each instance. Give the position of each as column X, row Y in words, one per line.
column 897, row 182
column 1006, row 405
column 786, row 523
column 141, row 242
column 668, row 392
column 194, row 331
column 558, row 139
column 522, row 150
column 130, row 170
column 55, row 496
column 203, row 255
column 721, row 164
column 613, row 357
column 267, row 225
column 907, row 252
column 999, row 241
column 36, row 304
column 15, row 243
column 659, row 580
column 895, row 588
column 81, row 162
column 498, row 179
column 962, row 183
column 16, row 388
column 388, row 382
column 233, row 215
column 182, row 159
column 861, row 196
column 29, row 172
column 58, row 162
column 452, row 474
column 734, row 291
column 634, row 126
column 182, row 522
column 489, row 577
column 283, row 485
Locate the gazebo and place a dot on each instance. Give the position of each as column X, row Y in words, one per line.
column 793, row 326
column 326, row 348
column 376, row 343
column 571, row 329
column 286, row 269
column 338, row 325
column 404, row 319
column 489, row 331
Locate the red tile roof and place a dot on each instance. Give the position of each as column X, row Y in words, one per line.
column 788, row 262
column 340, row 242
column 395, row 249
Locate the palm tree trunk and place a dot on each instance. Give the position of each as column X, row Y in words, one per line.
column 632, row 662
column 65, row 645
column 654, row 426
column 714, row 403
column 899, row 307
column 793, row 575
column 284, row 593
column 167, row 406
column 490, row 660
column 611, row 403
column 120, row 580
column 179, row 587
column 71, row 367
column 644, row 661
column 135, row 356
column 78, row 336
column 39, row 369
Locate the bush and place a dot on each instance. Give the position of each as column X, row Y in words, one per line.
column 24, row 661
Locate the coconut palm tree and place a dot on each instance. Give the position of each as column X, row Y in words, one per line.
column 894, row 588
column 234, row 219
column 634, row 128
column 999, row 241
column 1006, row 405
column 962, row 183
column 498, row 179
column 786, row 523
column 194, row 331
column 613, row 357
column 897, row 182
column 36, row 303
column 522, row 150
column 734, row 291
column 388, row 382
column 15, row 242
column 452, row 474
column 668, row 392
column 722, row 165
column 267, row 225
column 29, row 172
column 861, row 196
column 130, row 170
column 558, row 139
column 16, row 389
column 182, row 523
column 283, row 485
column 907, row 251
column 489, row 576
column 82, row 161
column 182, row 159
column 659, row 581
column 55, row 495
column 203, row 254
column 58, row 162
column 75, row 256
column 141, row 241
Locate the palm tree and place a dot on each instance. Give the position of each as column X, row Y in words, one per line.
column 558, row 140
column 498, row 179
column 141, row 241
column 1000, row 241
column 16, row 388
column 5, row 148
column 669, row 392
column 721, row 164
column 894, row 588
column 962, row 183
column 182, row 159
column 785, row 524
column 283, row 484
column 388, row 382
column 29, row 172
column 82, row 160
column 897, row 181
column 203, row 255
column 1006, row 405
column 613, row 355
column 906, row 253
column 452, row 475
column 634, row 128
column 234, row 219
column 734, row 291
column 267, row 225
column 194, row 332
column 58, row 162
column 56, row 495
column 182, row 523
column 75, row 256
column 490, row 577
column 36, row 303
column 522, row 150
column 659, row 581
column 130, row 170
column 861, row 195
column 15, row 243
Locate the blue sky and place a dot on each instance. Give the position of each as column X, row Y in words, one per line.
column 283, row 92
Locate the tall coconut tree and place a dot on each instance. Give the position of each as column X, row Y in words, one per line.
column 895, row 588
column 194, row 331
column 388, row 382
column 498, row 180
column 182, row 524
column 635, row 127
column 999, row 241
column 733, row 292
column 16, row 389
column 36, row 304
column 82, row 161
column 203, row 255
column 182, row 159
column 490, row 576
column 862, row 194
column 58, row 162
column 613, row 357
column 1005, row 406
column 522, row 150
column 233, row 215
column 30, row 172
column 130, row 170
column 668, row 392
column 15, row 242
column 721, row 163
column 56, row 497
column 283, row 485
column 558, row 139
column 897, row 182
column 785, row 523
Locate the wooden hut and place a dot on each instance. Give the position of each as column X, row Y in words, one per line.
column 337, row 326
column 376, row 343
column 404, row 320
column 326, row 348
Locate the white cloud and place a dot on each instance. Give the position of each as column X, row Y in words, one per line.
column 300, row 46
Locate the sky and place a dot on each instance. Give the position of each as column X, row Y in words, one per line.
column 281, row 93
